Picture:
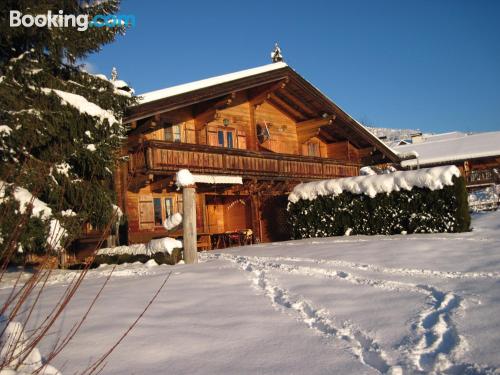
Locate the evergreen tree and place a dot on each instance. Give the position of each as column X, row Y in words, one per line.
column 60, row 128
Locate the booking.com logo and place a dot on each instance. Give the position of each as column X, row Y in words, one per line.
column 81, row 22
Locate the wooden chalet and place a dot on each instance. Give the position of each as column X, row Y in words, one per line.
column 250, row 136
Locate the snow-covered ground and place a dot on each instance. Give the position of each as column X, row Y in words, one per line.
column 344, row 305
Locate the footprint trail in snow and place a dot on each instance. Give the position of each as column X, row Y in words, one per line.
column 434, row 343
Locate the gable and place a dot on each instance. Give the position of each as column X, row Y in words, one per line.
column 277, row 85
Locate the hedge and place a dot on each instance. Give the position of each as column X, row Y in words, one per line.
column 160, row 258
column 419, row 210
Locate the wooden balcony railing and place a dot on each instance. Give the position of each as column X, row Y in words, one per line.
column 160, row 157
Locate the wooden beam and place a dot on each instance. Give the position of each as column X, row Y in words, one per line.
column 143, row 126
column 219, row 104
column 317, row 122
column 262, row 96
column 162, row 183
column 297, row 102
column 286, row 107
column 211, row 110
column 137, row 182
column 305, row 135
column 206, row 117
column 252, row 136
column 311, row 128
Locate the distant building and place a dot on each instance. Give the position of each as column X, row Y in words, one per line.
column 477, row 155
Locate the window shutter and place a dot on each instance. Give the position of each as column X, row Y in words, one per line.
column 190, row 133
column 212, row 139
column 146, row 212
column 305, row 150
column 242, row 140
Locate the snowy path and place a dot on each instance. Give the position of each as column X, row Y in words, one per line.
column 434, row 344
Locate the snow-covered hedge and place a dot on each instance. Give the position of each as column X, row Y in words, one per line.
column 424, row 201
column 163, row 250
column 160, row 258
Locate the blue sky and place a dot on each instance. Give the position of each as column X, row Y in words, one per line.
column 432, row 65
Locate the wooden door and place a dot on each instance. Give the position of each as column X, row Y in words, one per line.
column 146, row 212
column 215, row 218
column 274, row 216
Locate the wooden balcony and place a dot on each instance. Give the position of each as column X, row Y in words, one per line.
column 161, row 157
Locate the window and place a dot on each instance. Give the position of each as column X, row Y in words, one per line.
column 157, row 211
column 225, row 137
column 176, row 132
column 313, row 149
column 169, row 207
column 173, row 133
column 220, row 138
column 229, row 136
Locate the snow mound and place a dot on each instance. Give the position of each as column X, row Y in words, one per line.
column 5, row 130
column 430, row 178
column 166, row 244
column 184, row 178
column 367, row 171
column 13, row 343
column 173, row 221
column 151, row 263
column 136, row 249
column 160, row 245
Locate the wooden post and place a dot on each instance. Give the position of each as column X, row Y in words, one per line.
column 255, row 210
column 62, row 258
column 189, row 224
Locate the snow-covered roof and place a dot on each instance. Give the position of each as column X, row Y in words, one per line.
column 196, row 85
column 443, row 136
column 452, row 147
column 431, row 178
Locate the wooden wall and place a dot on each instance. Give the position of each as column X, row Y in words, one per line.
column 228, row 213
column 242, row 116
column 282, row 129
column 237, row 213
column 322, row 147
column 346, row 151
column 140, row 210
column 215, row 213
